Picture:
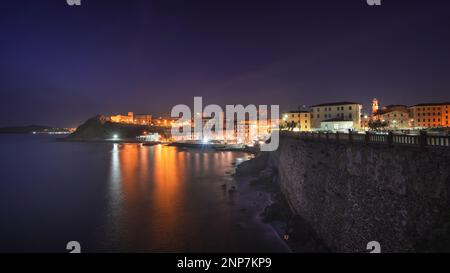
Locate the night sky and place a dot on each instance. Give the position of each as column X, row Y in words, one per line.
column 60, row 65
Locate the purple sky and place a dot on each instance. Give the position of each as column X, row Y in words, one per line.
column 60, row 65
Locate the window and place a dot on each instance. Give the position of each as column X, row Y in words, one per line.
column 349, row 108
column 306, row 115
column 318, row 115
column 350, row 115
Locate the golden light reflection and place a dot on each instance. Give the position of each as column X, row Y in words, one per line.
column 151, row 189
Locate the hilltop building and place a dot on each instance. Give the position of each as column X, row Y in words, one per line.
column 131, row 118
column 123, row 119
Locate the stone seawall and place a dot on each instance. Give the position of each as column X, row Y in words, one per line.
column 353, row 193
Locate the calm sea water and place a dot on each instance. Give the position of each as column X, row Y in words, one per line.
column 125, row 197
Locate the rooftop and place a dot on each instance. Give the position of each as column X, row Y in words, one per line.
column 335, row 103
column 336, row 119
column 432, row 104
column 296, row 111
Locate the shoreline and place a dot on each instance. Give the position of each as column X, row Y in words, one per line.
column 298, row 236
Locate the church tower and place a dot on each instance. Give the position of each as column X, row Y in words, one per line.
column 375, row 106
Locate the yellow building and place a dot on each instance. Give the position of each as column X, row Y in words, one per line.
column 344, row 111
column 298, row 120
column 123, row 119
column 430, row 115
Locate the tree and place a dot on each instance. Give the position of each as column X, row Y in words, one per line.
column 377, row 125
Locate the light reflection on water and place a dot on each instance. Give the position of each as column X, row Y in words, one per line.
column 126, row 197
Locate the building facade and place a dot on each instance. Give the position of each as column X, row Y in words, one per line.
column 297, row 120
column 123, row 119
column 143, row 119
column 430, row 115
column 345, row 111
column 337, row 125
column 396, row 117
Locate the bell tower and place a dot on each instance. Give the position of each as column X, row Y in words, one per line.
column 375, row 106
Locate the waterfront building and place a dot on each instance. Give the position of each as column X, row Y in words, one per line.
column 345, row 111
column 298, row 120
column 430, row 115
column 244, row 132
column 152, row 137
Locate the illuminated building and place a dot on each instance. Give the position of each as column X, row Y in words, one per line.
column 337, row 125
column 365, row 119
column 131, row 118
column 297, row 120
column 430, row 115
column 143, row 119
column 123, row 119
column 244, row 132
column 395, row 116
column 375, row 106
column 344, row 111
